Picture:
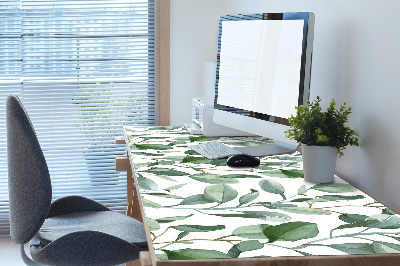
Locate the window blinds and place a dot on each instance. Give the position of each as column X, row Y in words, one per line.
column 83, row 69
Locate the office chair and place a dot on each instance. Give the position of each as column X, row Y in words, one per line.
column 70, row 231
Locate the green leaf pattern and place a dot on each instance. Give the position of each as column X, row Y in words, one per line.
column 202, row 209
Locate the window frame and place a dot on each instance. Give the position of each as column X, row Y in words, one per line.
column 163, row 88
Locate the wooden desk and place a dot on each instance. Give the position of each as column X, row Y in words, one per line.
column 202, row 212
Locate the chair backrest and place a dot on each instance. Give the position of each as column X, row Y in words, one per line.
column 29, row 183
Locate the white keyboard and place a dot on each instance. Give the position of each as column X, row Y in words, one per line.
column 214, row 150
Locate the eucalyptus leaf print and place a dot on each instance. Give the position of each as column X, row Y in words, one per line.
column 305, row 211
column 272, row 186
column 174, row 187
column 302, row 190
column 172, row 218
column 355, row 248
column 151, row 204
column 248, row 245
column 213, row 179
column 220, row 193
column 383, row 247
column 386, row 221
column 367, row 223
column 166, row 172
column 164, row 195
column 251, row 231
column 198, row 208
column 270, row 216
column 193, row 159
column 199, row 228
column 352, row 218
column 249, row 197
column 152, row 147
column 291, row 231
column 196, row 199
column 293, row 173
column 153, row 224
column 341, row 197
column 146, row 183
column 190, row 254
column 335, row 187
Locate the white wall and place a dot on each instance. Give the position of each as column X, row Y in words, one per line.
column 356, row 60
column 194, row 41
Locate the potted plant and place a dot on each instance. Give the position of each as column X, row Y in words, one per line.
column 323, row 135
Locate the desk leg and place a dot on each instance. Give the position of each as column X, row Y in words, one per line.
column 129, row 193
column 133, row 210
column 132, row 197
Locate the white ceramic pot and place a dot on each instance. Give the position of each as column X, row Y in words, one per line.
column 319, row 163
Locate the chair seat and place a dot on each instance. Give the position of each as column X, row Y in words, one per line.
column 107, row 222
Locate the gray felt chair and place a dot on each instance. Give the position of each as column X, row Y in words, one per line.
column 70, row 231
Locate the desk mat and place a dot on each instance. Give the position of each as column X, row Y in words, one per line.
column 198, row 208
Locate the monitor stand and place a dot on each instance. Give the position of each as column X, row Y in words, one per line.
column 275, row 148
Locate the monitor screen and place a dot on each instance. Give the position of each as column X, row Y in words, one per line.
column 260, row 63
column 263, row 71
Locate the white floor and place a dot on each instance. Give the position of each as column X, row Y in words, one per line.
column 9, row 253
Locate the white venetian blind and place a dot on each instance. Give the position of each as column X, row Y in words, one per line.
column 83, row 69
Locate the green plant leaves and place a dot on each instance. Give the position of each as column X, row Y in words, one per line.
column 386, row 221
column 240, row 215
column 249, row 197
column 151, row 204
column 335, row 188
column 213, row 179
column 198, row 228
column 382, row 221
column 302, row 190
column 306, row 211
column 272, row 186
column 341, row 197
column 219, row 162
column 366, row 223
column 251, row 231
column 293, row 173
column 166, row 171
column 291, row 231
column 157, row 147
column 164, row 195
column 241, row 176
column 352, row 218
column 146, row 183
column 172, row 218
column 174, row 187
column 275, row 173
column 193, row 159
column 248, row 245
column 195, row 199
column 383, row 247
column 188, row 228
column 202, row 138
column 354, row 248
column 270, row 216
column 190, row 254
column 153, row 224
column 388, row 211
column 220, row 193
column 312, row 126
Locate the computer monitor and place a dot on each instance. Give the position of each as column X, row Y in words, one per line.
column 263, row 73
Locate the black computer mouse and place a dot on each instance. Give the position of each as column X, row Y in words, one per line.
column 243, row 160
